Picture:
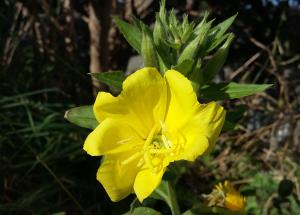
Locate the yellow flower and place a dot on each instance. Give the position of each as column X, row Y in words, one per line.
column 225, row 195
column 154, row 121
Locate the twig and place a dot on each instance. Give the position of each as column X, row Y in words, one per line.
column 245, row 65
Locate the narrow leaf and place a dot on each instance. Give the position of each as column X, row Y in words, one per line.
column 196, row 77
column 231, row 90
column 82, row 116
column 113, row 79
column 203, row 21
column 191, row 51
column 218, row 30
column 215, row 64
column 148, row 50
column 132, row 34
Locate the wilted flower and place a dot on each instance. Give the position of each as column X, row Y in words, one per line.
column 226, row 196
column 154, row 121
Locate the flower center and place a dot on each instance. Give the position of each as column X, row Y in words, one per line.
column 158, row 146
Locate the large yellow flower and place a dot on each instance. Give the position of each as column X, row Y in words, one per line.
column 154, row 121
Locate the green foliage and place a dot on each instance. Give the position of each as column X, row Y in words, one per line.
column 42, row 161
column 148, row 50
column 215, row 64
column 231, row 90
column 82, row 116
column 113, row 79
column 173, row 43
column 232, row 118
column 263, row 198
column 33, row 140
column 131, row 33
column 166, row 193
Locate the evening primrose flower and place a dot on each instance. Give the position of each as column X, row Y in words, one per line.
column 226, row 196
column 154, row 121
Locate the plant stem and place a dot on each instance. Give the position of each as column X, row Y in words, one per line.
column 172, row 201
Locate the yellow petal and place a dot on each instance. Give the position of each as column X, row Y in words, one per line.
column 235, row 202
column 142, row 102
column 182, row 100
column 146, row 182
column 201, row 131
column 118, row 179
column 196, row 145
column 111, row 136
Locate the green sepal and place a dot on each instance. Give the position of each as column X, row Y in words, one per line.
column 215, row 64
column 230, row 90
column 131, row 33
column 82, row 116
column 113, row 79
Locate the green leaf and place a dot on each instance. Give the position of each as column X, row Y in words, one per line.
column 215, row 64
column 175, row 171
column 232, row 117
column 82, row 116
column 112, row 79
column 202, row 23
column 236, row 114
column 218, row 30
column 184, row 67
column 228, row 126
column 159, row 35
column 159, row 31
column 214, row 43
column 148, row 50
column 143, row 211
column 191, row 51
column 231, row 90
column 132, row 33
column 166, row 193
column 196, row 77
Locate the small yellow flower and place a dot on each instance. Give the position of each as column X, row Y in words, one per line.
column 226, row 196
column 154, row 121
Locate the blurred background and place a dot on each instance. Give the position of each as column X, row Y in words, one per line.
column 47, row 49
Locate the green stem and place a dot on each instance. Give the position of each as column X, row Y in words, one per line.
column 166, row 193
column 174, row 204
column 172, row 200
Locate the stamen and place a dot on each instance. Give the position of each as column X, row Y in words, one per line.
column 160, row 151
column 148, row 161
column 131, row 158
column 124, row 141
